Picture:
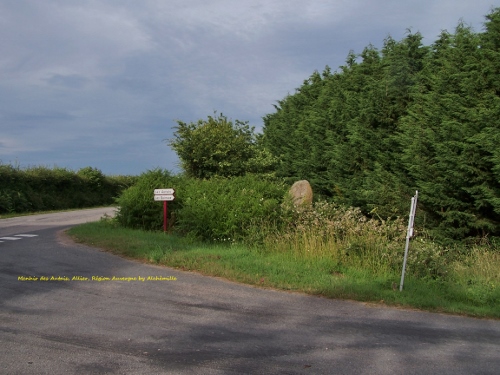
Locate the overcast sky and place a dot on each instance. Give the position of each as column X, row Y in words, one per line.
column 101, row 82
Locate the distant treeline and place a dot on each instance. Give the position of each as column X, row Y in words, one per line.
column 41, row 188
column 403, row 118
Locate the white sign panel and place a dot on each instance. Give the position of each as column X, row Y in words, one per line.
column 164, row 197
column 164, row 191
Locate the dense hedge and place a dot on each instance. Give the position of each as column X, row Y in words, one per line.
column 218, row 209
column 229, row 209
column 40, row 188
column 402, row 118
column 137, row 208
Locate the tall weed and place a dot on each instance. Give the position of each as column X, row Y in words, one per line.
column 344, row 234
column 480, row 265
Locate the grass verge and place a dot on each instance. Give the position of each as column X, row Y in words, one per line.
column 286, row 271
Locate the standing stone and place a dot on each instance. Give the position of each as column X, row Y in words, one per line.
column 301, row 193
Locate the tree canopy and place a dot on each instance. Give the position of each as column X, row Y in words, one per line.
column 218, row 147
column 390, row 121
column 403, row 118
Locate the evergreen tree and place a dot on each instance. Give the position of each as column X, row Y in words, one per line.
column 404, row 118
column 295, row 132
column 443, row 139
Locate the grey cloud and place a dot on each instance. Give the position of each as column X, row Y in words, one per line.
column 101, row 82
column 72, row 81
column 34, row 117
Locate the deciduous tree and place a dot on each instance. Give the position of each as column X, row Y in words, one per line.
column 218, row 147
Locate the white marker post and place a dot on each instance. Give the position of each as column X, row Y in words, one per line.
column 164, row 195
column 409, row 234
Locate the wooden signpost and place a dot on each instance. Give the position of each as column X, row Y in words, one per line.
column 164, row 195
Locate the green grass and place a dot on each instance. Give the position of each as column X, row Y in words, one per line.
column 320, row 275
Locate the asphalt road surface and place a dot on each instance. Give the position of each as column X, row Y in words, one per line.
column 184, row 323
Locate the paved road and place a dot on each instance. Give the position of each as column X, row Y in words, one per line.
column 190, row 324
column 43, row 221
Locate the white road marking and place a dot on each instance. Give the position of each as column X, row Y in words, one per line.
column 17, row 237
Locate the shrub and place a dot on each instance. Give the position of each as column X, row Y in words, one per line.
column 137, row 208
column 225, row 209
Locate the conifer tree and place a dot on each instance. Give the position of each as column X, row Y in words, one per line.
column 441, row 137
column 403, row 118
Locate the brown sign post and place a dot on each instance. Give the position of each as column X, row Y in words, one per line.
column 164, row 195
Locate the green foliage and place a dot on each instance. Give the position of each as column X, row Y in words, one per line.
column 13, row 190
column 137, row 208
column 225, row 209
column 40, row 188
column 337, row 130
column 327, row 230
column 93, row 176
column 447, row 138
column 217, row 147
column 405, row 118
column 219, row 209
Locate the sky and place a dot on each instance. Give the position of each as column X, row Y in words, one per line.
column 101, row 83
